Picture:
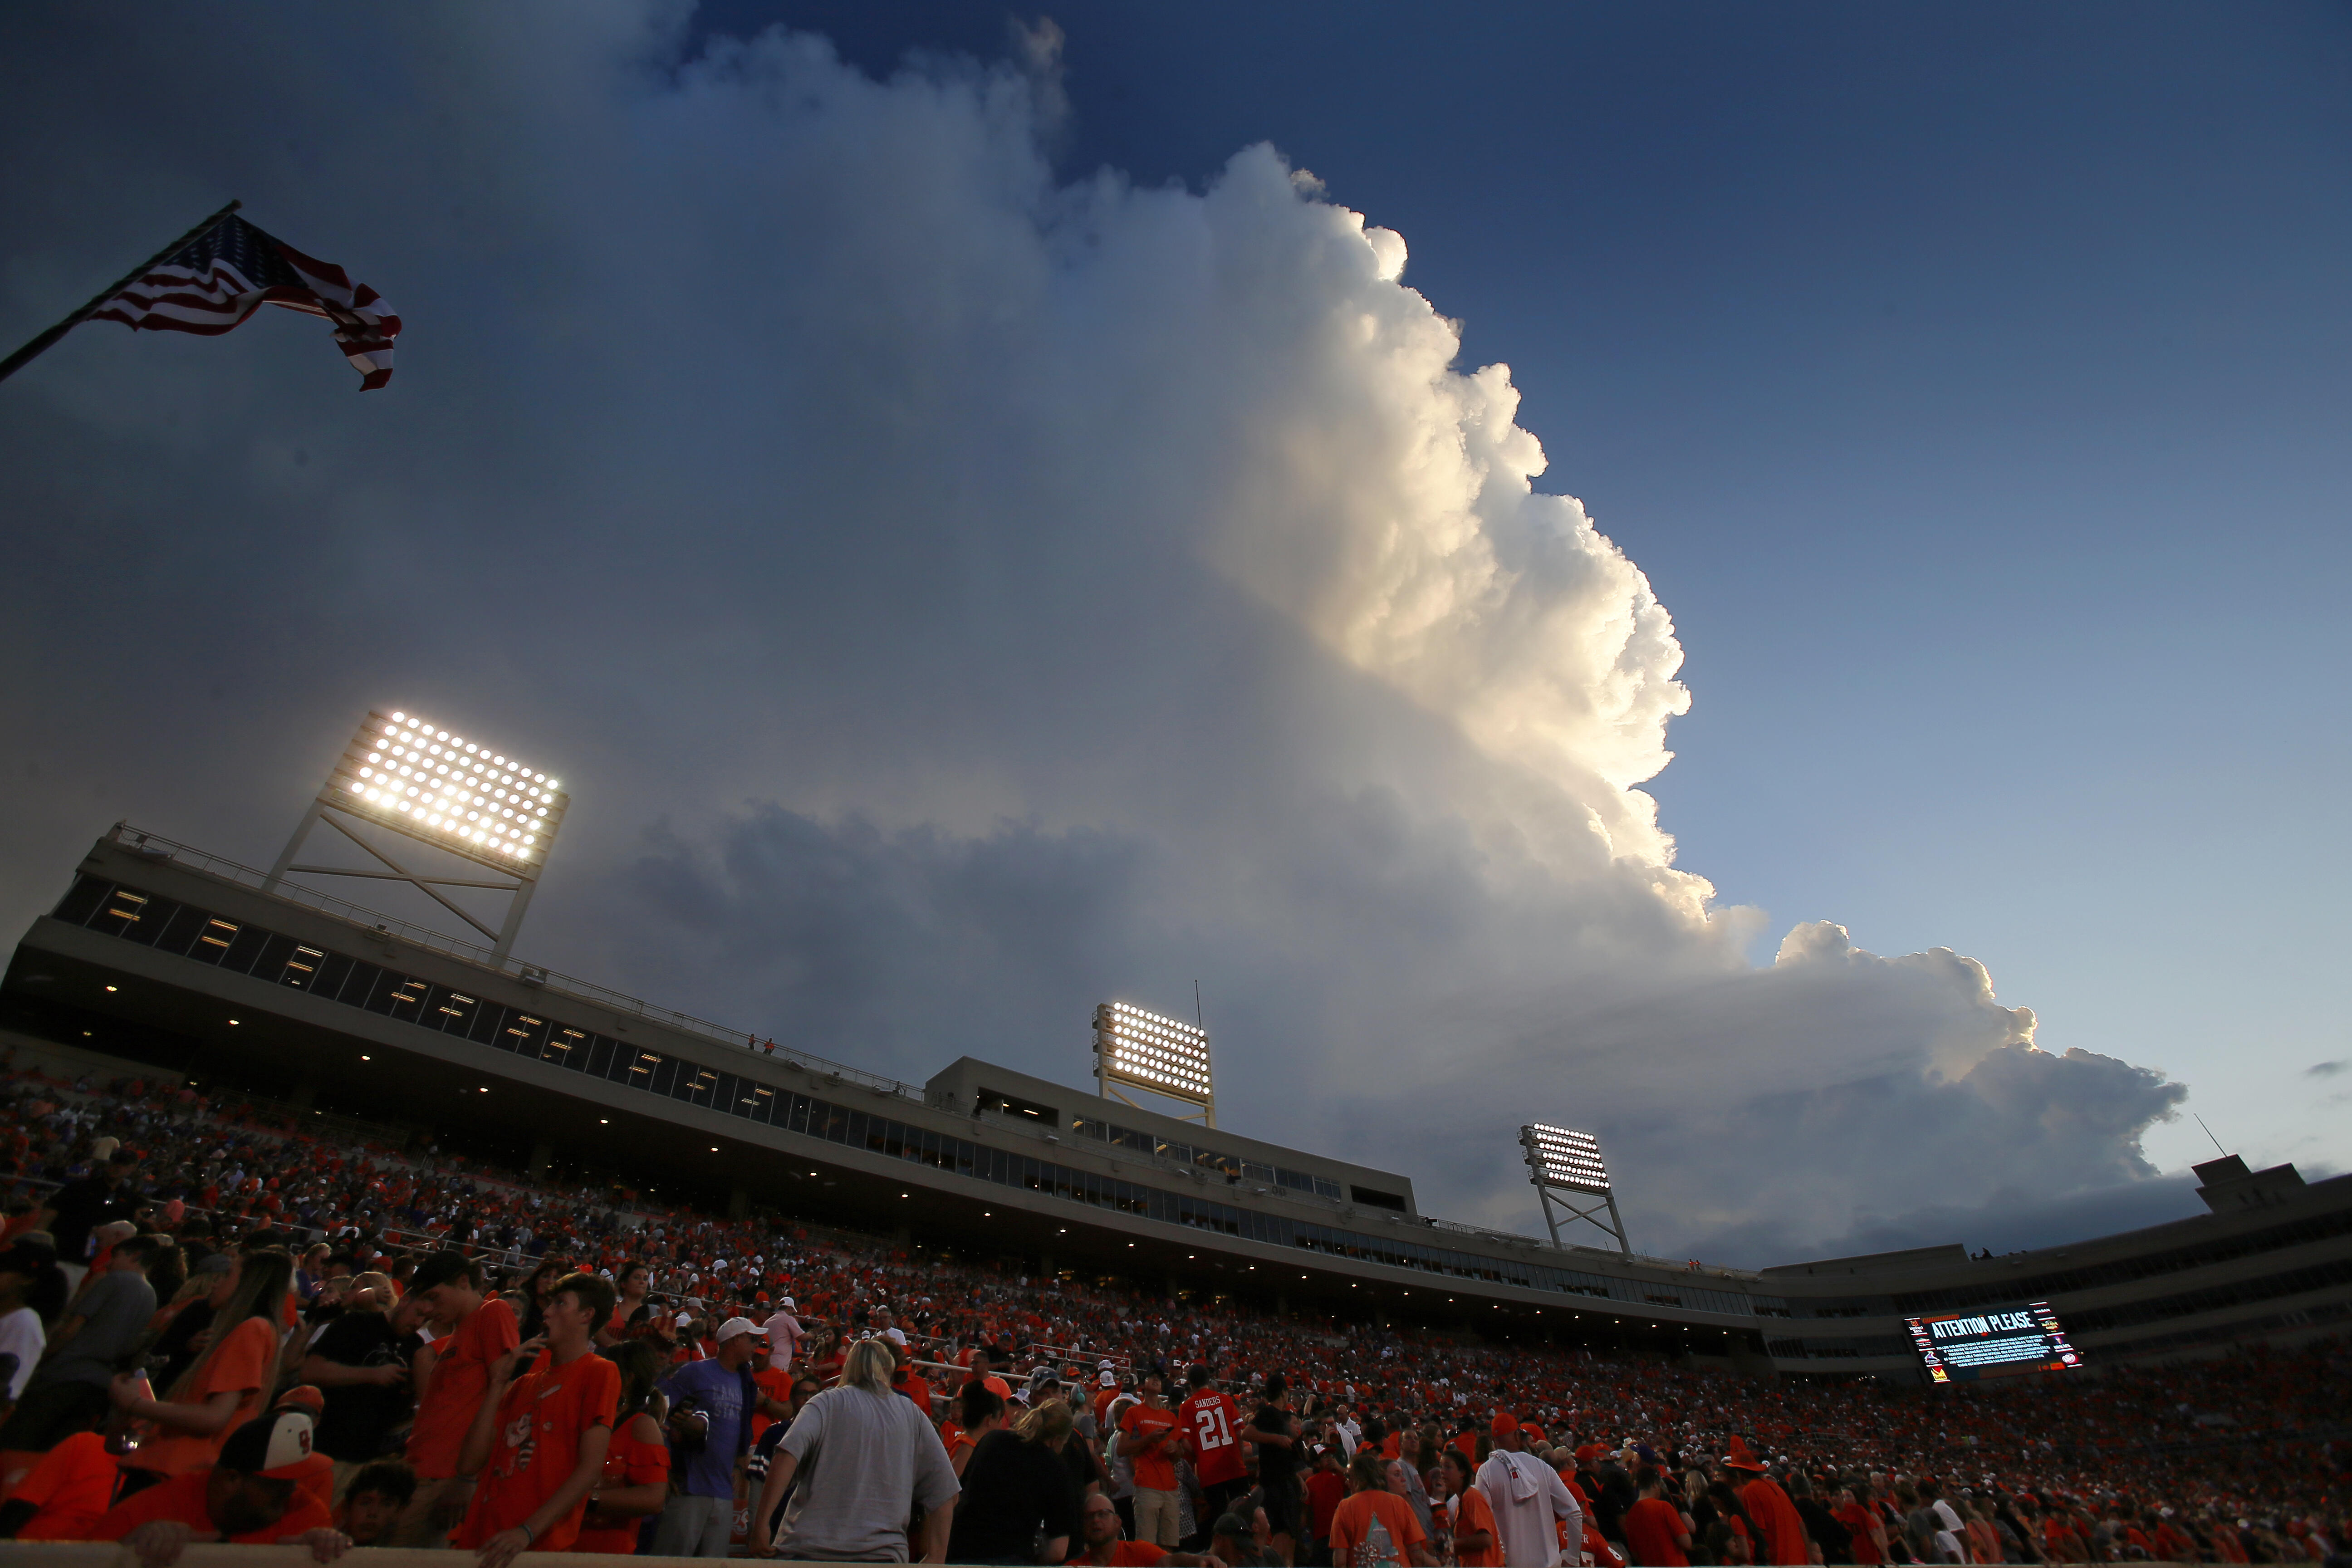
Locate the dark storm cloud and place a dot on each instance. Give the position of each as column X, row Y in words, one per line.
column 951, row 597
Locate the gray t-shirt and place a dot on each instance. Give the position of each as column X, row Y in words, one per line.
column 117, row 1309
column 865, row 1460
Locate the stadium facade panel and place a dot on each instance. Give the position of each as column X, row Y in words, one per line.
column 170, row 957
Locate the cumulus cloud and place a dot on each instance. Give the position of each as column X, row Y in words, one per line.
column 956, row 592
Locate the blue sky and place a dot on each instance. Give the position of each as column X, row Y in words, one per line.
column 1971, row 382
column 961, row 585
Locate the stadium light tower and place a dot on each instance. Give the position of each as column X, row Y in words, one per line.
column 1568, row 1170
column 403, row 772
column 1144, row 1051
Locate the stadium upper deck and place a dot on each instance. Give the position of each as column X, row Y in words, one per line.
column 165, row 955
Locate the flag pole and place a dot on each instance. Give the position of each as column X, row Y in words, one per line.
column 31, row 350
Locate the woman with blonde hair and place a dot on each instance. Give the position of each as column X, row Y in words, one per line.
column 231, row 1382
column 866, row 1456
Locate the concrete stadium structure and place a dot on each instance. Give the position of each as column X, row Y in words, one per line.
column 163, row 955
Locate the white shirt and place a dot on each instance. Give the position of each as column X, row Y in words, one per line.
column 784, row 1333
column 1529, row 1498
column 21, row 1335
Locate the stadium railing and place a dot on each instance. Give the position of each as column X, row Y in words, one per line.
column 154, row 846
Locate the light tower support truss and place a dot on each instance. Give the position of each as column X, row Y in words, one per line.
column 1166, row 1057
column 1567, row 1171
column 442, row 790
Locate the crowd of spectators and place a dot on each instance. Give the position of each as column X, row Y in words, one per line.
column 216, row 1323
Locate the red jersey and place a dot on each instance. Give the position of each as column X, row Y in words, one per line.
column 542, row 1420
column 1325, row 1489
column 1651, row 1526
column 1210, row 1423
column 1857, row 1519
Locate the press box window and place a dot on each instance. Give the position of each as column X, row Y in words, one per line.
column 1013, row 1105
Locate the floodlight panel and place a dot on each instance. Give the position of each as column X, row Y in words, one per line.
column 1564, row 1158
column 1164, row 1055
column 449, row 791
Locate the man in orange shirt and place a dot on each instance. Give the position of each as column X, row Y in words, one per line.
column 1656, row 1533
column 253, row 1496
column 474, row 1331
column 538, row 1440
column 1146, row 1439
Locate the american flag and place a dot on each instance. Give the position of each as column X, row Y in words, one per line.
column 213, row 282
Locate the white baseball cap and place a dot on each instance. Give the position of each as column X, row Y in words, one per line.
column 277, row 1447
column 787, row 1305
column 1109, row 1378
column 734, row 1326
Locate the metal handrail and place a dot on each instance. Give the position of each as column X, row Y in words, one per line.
column 157, row 847
column 1538, row 1244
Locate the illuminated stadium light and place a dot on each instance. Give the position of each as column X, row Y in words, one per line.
column 1149, row 1051
column 408, row 773
column 1563, row 1162
column 1571, row 1160
column 454, row 793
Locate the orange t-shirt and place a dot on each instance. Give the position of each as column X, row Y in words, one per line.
column 1472, row 1513
column 542, row 1420
column 776, row 1385
column 182, row 1499
column 632, row 1460
column 1352, row 1545
column 1127, row 1554
column 70, row 1488
column 1651, row 1526
column 241, row 1363
column 1155, row 1468
column 461, row 1374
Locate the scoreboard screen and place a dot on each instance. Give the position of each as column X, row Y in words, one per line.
column 1961, row 1347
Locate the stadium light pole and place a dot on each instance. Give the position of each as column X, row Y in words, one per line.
column 441, row 789
column 1567, row 1169
column 1165, row 1056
